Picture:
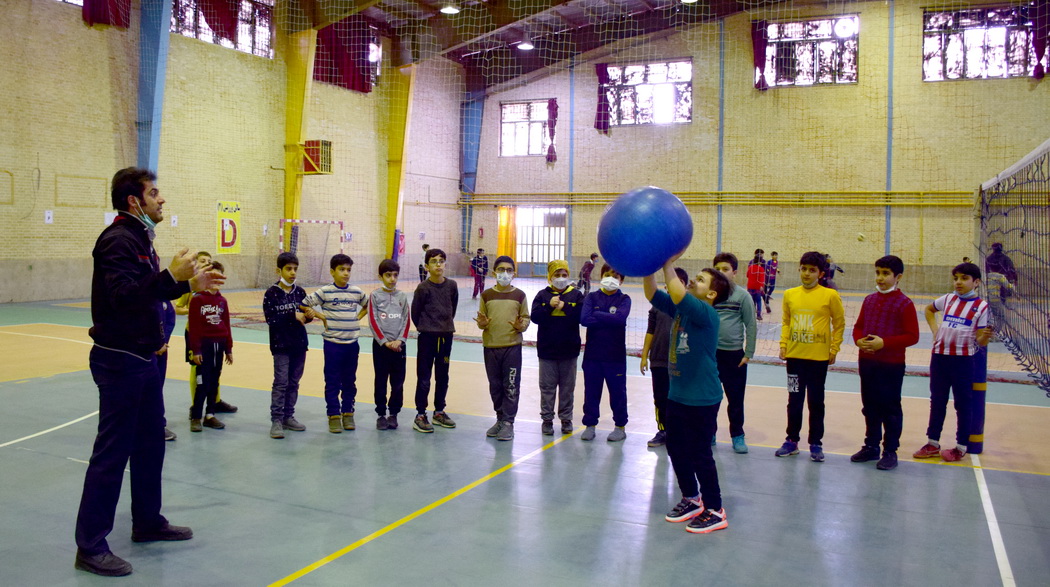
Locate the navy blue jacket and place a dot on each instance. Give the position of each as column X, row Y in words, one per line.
column 559, row 333
column 287, row 334
column 127, row 289
column 605, row 317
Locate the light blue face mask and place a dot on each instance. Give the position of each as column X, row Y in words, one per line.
column 969, row 295
column 145, row 219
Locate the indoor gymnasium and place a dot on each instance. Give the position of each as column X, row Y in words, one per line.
column 399, row 188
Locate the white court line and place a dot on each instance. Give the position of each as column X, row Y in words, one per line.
column 1005, row 572
column 48, row 337
column 41, row 433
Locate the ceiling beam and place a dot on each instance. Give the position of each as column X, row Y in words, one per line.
column 317, row 14
column 500, row 66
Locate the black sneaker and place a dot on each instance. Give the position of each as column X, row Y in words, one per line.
column 167, row 532
column 865, row 454
column 391, row 422
column 686, row 509
column 659, row 440
column 106, row 564
column 888, row 461
column 709, row 521
column 381, row 423
column 224, row 407
column 169, row 435
column 547, row 429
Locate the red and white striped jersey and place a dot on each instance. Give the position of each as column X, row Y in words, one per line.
column 960, row 320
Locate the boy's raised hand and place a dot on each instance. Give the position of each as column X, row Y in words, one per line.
column 482, row 321
column 519, row 324
column 556, row 303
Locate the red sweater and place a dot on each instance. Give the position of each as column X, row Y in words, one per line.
column 209, row 320
column 756, row 276
column 891, row 317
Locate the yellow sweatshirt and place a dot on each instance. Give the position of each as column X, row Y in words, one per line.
column 814, row 322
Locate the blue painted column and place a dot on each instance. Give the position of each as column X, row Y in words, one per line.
column 153, row 66
column 471, row 113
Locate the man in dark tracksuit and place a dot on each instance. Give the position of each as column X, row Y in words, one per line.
column 127, row 290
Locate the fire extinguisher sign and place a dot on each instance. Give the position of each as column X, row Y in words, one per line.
column 228, row 217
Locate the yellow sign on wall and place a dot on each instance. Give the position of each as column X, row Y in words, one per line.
column 228, row 235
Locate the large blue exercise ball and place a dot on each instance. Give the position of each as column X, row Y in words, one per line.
column 643, row 228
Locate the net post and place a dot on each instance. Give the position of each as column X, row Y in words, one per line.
column 977, row 401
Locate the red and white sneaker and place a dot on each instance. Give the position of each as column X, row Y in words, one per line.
column 928, row 451
column 952, row 454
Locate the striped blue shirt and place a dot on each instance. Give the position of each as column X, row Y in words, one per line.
column 339, row 306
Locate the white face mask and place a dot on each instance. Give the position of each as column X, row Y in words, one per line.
column 504, row 279
column 287, row 283
column 610, row 283
column 560, row 282
column 886, row 291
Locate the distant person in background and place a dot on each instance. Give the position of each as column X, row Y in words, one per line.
column 756, row 280
column 829, row 277
column 771, row 281
column 1000, row 262
column 584, row 284
column 479, row 268
column 423, row 273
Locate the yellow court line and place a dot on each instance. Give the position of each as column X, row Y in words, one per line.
column 351, row 547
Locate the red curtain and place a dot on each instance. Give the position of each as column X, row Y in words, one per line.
column 1040, row 34
column 601, row 118
column 112, row 12
column 759, row 41
column 342, row 55
column 221, row 16
column 552, row 122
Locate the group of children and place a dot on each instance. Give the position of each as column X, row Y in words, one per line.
column 701, row 335
column 811, row 336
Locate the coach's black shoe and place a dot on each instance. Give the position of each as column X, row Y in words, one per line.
column 106, row 564
column 165, row 532
column 169, row 435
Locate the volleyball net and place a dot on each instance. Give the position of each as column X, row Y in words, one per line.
column 1015, row 244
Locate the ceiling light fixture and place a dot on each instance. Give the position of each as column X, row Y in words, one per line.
column 450, row 8
column 688, row 1
column 526, row 43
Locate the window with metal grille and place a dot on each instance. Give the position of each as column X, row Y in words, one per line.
column 253, row 34
column 523, row 128
column 650, row 93
column 978, row 43
column 812, row 52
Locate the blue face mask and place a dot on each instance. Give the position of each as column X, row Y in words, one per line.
column 145, row 219
column 969, row 295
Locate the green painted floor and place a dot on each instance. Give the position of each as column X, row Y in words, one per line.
column 536, row 513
